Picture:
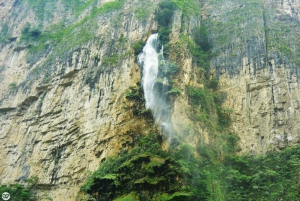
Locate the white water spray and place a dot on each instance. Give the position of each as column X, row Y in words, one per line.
column 155, row 95
column 149, row 59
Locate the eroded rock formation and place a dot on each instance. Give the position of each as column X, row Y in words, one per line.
column 63, row 106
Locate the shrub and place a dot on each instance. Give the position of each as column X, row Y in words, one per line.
column 138, row 47
column 213, row 84
column 4, row 33
column 163, row 35
column 20, row 192
column 201, row 37
column 146, row 168
column 13, row 86
column 30, row 34
column 274, row 176
column 172, row 68
column 35, row 32
column 165, row 12
column 96, row 57
column 111, row 60
column 174, row 91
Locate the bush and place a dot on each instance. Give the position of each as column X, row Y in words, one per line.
column 165, row 12
column 30, row 34
column 145, row 169
column 4, row 33
column 201, row 37
column 174, row 91
column 197, row 96
column 213, row 84
column 208, row 109
column 35, row 32
column 13, row 86
column 138, row 47
column 163, row 35
column 172, row 68
column 274, row 176
column 20, row 192
column 111, row 60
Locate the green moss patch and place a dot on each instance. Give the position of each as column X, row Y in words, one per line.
column 146, row 169
column 130, row 197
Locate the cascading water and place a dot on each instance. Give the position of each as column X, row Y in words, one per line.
column 149, row 60
column 155, row 91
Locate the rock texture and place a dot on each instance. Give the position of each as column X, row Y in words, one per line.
column 257, row 66
column 63, row 109
column 60, row 120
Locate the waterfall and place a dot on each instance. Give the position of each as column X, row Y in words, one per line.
column 155, row 92
column 149, row 60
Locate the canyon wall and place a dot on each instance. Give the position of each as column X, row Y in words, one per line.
column 64, row 103
column 257, row 63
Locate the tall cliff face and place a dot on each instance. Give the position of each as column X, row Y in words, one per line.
column 254, row 56
column 67, row 75
column 256, row 61
column 64, row 107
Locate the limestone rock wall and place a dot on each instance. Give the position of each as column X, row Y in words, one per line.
column 61, row 115
column 256, row 59
column 63, row 108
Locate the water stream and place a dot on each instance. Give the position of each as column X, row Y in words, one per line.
column 154, row 89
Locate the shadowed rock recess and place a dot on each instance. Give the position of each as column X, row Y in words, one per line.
column 75, row 123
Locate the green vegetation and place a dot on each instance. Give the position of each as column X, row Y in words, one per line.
column 166, row 9
column 144, row 10
column 45, row 197
column 13, row 86
column 163, row 35
column 198, row 46
column 149, row 173
column 167, row 69
column 205, row 172
column 130, row 197
column 164, row 83
column 20, row 192
column 250, row 24
column 209, row 170
column 174, row 91
column 136, row 95
column 61, row 39
column 200, row 35
column 165, row 12
column 64, row 38
column 17, row 192
column 145, row 172
column 4, row 33
column 142, row 14
column 208, row 109
column 77, row 6
column 240, row 24
column 281, row 38
column 42, row 8
column 274, row 176
column 111, row 60
column 30, row 34
column 96, row 57
column 138, row 47
column 163, row 16
column 172, row 68
column 200, row 57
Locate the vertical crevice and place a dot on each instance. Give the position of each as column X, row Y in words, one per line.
column 272, row 91
column 275, row 109
column 265, row 24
